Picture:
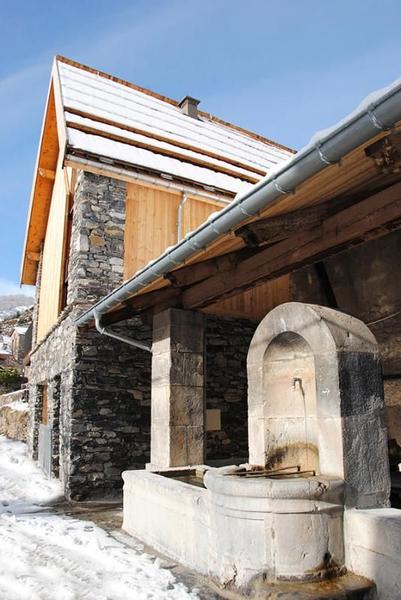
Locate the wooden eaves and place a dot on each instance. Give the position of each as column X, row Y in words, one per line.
column 52, row 139
column 343, row 206
column 53, row 146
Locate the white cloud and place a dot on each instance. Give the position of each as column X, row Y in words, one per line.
column 8, row 288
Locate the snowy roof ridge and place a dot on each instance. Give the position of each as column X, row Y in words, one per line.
column 111, row 118
column 166, row 99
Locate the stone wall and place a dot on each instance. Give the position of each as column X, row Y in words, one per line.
column 365, row 284
column 14, row 415
column 98, row 388
column 97, row 239
column 226, row 346
column 110, row 412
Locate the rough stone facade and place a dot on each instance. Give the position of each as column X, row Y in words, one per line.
column 98, row 389
column 226, row 347
column 97, row 241
column 14, row 415
column 364, row 284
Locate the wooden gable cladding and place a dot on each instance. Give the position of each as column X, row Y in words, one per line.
column 41, row 192
column 151, row 222
column 53, row 258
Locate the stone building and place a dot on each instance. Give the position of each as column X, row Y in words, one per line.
column 123, row 178
column 123, row 173
column 328, row 235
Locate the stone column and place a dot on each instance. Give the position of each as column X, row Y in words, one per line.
column 177, row 426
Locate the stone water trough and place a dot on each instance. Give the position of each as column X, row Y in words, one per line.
column 317, row 448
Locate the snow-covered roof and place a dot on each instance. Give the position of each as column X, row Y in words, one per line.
column 116, row 120
column 21, row 329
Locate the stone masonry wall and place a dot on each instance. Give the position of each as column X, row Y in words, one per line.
column 110, row 414
column 97, row 241
column 98, row 389
column 227, row 343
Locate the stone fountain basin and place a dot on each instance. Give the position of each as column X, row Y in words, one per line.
column 235, row 529
column 276, row 494
column 288, row 529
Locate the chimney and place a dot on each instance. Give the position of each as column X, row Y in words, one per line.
column 189, row 106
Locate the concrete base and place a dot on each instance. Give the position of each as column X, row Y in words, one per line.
column 373, row 548
column 347, row 587
column 237, row 531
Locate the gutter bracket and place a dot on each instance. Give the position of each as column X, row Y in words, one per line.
column 116, row 336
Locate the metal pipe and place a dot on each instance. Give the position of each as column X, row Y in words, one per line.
column 179, row 215
column 116, row 336
column 353, row 131
column 77, row 161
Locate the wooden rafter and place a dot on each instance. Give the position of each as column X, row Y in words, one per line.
column 274, row 229
column 193, row 273
column 168, row 296
column 370, row 218
column 163, row 151
column 168, row 140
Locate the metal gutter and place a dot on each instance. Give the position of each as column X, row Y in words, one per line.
column 132, row 175
column 116, row 336
column 357, row 129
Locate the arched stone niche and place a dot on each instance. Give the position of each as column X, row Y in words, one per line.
column 315, row 398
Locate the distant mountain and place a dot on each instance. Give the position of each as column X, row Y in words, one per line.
column 14, row 300
column 14, row 305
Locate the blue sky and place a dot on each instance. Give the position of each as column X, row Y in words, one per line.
column 283, row 69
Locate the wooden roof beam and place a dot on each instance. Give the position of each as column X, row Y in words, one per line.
column 274, row 229
column 157, row 299
column 368, row 219
column 194, row 272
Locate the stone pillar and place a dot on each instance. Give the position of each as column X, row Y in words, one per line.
column 177, row 414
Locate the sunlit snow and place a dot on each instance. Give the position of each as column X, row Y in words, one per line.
column 45, row 556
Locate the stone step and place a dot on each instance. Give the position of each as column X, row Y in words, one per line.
column 346, row 587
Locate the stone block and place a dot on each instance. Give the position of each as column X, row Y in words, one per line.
column 187, row 369
column 160, row 405
column 186, row 405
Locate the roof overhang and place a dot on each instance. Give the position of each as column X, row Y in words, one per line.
column 334, row 167
column 52, row 139
column 69, row 135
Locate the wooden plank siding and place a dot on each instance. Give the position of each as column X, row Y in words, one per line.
column 255, row 303
column 52, row 262
column 151, row 223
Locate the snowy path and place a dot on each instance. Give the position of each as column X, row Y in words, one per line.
column 45, row 556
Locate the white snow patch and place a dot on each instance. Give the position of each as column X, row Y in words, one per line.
column 48, row 556
column 18, row 405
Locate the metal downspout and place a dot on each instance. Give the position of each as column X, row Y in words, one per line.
column 116, row 336
column 179, row 215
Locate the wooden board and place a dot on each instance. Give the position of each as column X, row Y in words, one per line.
column 255, row 303
column 151, row 223
column 42, row 190
column 51, row 280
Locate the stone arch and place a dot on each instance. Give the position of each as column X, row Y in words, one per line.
column 291, row 423
column 349, row 435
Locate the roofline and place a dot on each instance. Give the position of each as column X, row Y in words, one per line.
column 34, row 179
column 356, row 129
column 207, row 115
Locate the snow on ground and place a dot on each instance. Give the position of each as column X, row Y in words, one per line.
column 45, row 556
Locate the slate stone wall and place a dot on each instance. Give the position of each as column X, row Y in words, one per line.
column 97, row 240
column 226, row 345
column 110, row 412
column 98, row 388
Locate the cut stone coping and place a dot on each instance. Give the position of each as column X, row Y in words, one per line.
column 315, row 487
